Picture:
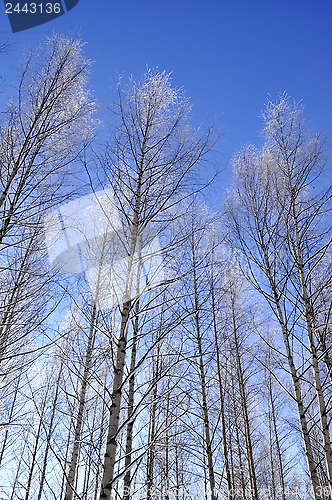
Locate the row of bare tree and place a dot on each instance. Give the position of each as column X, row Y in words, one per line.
column 216, row 381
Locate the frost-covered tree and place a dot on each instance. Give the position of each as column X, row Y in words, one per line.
column 279, row 221
column 43, row 130
column 151, row 165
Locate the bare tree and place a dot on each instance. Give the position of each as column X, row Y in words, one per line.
column 277, row 222
column 150, row 165
column 42, row 132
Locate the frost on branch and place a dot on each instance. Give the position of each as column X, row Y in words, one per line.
column 53, row 99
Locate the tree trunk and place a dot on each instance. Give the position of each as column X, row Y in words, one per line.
column 300, row 406
column 35, row 449
column 296, row 384
column 206, row 421
column 100, row 438
column 221, row 387
column 131, row 393
column 70, row 484
column 244, row 405
column 109, row 460
column 49, row 434
column 152, row 432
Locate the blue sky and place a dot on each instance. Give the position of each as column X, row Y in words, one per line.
column 227, row 54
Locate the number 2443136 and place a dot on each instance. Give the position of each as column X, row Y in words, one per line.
column 33, row 8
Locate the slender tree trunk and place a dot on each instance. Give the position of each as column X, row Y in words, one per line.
column 274, row 436
column 70, row 484
column 206, row 421
column 325, row 351
column 66, row 461
column 300, row 406
column 221, row 388
column 231, row 455
column 10, row 417
column 35, row 449
column 152, row 427
column 208, row 443
column 131, row 394
column 100, row 438
column 109, row 460
column 177, row 473
column 167, row 478
column 241, row 464
column 244, row 404
column 272, row 465
column 18, row 470
column 279, row 454
column 49, row 434
column 90, row 458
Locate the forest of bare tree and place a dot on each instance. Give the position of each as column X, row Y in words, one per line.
column 152, row 346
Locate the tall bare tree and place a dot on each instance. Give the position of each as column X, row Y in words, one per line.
column 279, row 220
column 150, row 164
column 43, row 130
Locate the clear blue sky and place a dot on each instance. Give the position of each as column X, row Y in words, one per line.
column 227, row 54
